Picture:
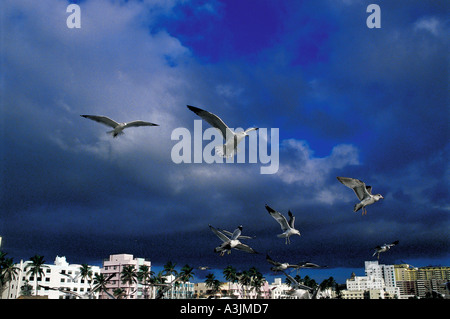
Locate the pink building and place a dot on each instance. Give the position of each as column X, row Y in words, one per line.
column 114, row 265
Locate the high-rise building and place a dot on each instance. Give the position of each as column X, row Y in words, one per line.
column 433, row 280
column 113, row 267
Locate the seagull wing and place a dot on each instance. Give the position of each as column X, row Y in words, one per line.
column 139, row 123
column 358, row 186
column 228, row 233
column 295, row 284
column 271, row 261
column 291, row 219
column 279, row 218
column 102, row 119
column 308, row 265
column 394, row 243
column 236, row 234
column 246, row 248
column 219, row 234
column 213, row 120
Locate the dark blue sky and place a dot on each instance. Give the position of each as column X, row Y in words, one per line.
column 347, row 100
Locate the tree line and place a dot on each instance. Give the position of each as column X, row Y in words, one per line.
column 248, row 280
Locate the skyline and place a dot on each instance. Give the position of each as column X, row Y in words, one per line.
column 347, row 100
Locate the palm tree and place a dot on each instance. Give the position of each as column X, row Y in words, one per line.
column 2, row 278
column 8, row 272
column 36, row 267
column 213, row 283
column 128, row 275
column 244, row 281
column 159, row 279
column 230, row 275
column 100, row 282
column 86, row 274
column 256, row 280
column 186, row 273
column 169, row 269
column 119, row 293
column 144, row 275
column 328, row 283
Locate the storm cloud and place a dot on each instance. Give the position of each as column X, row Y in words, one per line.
column 347, row 100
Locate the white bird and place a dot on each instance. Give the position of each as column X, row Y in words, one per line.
column 363, row 192
column 230, row 243
column 288, row 228
column 117, row 127
column 232, row 139
column 73, row 278
column 384, row 248
column 283, row 266
column 203, row 267
column 301, row 291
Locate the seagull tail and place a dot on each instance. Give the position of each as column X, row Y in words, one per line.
column 114, row 133
column 357, row 207
column 222, row 152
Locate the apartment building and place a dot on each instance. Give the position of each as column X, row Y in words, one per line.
column 398, row 281
column 378, row 283
column 60, row 281
column 113, row 267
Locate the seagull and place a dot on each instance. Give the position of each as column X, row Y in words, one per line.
column 73, row 278
column 363, row 192
column 279, row 266
column 230, row 243
column 230, row 234
column 283, row 266
column 384, row 248
column 87, row 295
column 301, row 291
column 203, row 267
column 232, row 139
column 287, row 227
column 117, row 127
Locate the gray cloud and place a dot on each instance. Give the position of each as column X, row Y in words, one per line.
column 371, row 109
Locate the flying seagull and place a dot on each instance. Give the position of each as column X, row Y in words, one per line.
column 363, row 192
column 232, row 139
column 73, row 278
column 203, row 267
column 287, row 227
column 384, row 248
column 230, row 243
column 301, row 291
column 117, row 127
column 283, row 266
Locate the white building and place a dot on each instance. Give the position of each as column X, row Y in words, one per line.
column 379, row 282
column 60, row 281
column 180, row 290
column 279, row 290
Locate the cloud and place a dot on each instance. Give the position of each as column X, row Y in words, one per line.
column 368, row 105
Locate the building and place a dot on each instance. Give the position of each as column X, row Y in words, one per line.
column 280, row 290
column 406, row 280
column 433, row 280
column 378, row 283
column 60, row 281
column 113, row 267
column 399, row 281
column 180, row 290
